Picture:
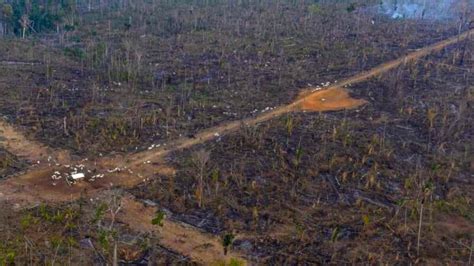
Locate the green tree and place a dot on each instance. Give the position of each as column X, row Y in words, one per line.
column 6, row 14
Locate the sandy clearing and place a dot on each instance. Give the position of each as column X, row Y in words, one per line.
column 333, row 99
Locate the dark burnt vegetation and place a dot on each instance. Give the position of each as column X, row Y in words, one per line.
column 124, row 77
column 389, row 182
column 9, row 163
column 82, row 232
column 347, row 186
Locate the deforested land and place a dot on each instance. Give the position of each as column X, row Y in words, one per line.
column 236, row 132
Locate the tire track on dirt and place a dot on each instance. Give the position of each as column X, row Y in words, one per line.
column 130, row 170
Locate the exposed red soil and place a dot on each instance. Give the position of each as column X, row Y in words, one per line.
column 333, row 99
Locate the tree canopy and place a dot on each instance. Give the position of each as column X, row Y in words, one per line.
column 36, row 15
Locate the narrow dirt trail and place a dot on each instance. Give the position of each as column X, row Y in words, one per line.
column 203, row 247
column 128, row 171
column 17, row 143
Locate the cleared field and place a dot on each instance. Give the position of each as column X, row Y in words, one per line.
column 343, row 187
column 39, row 186
column 267, row 135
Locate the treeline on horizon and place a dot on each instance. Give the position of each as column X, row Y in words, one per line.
column 24, row 17
column 21, row 17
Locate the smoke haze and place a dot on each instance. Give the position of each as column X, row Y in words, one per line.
column 428, row 9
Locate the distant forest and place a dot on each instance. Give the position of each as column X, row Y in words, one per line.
column 21, row 17
column 24, row 17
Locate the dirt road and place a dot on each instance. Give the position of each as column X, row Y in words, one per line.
column 202, row 247
column 37, row 185
column 17, row 143
column 333, row 103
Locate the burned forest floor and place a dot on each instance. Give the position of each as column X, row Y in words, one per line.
column 102, row 90
column 273, row 135
column 348, row 186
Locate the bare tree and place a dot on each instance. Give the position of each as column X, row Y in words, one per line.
column 200, row 160
column 25, row 23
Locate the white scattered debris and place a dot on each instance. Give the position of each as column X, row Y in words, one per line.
column 116, row 169
column 326, row 84
column 153, row 146
column 323, row 99
column 99, row 176
column 94, row 177
column 229, row 113
column 216, row 134
column 267, row 109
